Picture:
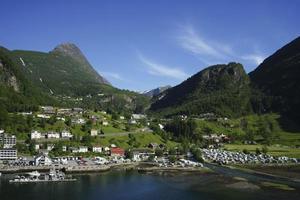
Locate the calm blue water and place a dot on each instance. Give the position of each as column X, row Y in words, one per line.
column 132, row 185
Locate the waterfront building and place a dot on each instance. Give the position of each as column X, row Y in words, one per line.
column 117, row 151
column 42, row 160
column 8, row 154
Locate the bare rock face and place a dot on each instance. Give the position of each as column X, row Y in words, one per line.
column 71, row 50
column 12, row 82
column 8, row 78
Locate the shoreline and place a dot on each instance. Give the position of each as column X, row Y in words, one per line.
column 140, row 167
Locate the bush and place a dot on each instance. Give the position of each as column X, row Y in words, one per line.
column 257, row 151
column 246, row 151
column 265, row 149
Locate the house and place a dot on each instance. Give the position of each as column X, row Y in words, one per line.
column 132, row 121
column 106, row 149
column 43, row 116
column 66, row 134
column 161, row 126
column 117, row 151
column 8, row 154
column 53, row 135
column 64, row 148
column 50, row 147
column 81, row 149
column 78, row 110
column 138, row 116
column 61, row 118
column 104, row 123
column 42, row 160
column 35, row 135
column 122, row 117
column 36, row 147
column 78, row 121
column 97, row 149
column 9, row 141
column 141, row 154
column 94, row 132
column 64, row 111
column 48, row 109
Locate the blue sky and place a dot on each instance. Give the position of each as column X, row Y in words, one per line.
column 142, row 44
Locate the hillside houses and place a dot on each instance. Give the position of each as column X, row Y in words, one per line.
column 94, row 132
column 66, row 134
column 36, row 135
column 53, row 135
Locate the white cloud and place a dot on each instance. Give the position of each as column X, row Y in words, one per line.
column 112, row 75
column 190, row 40
column 162, row 70
column 254, row 58
column 212, row 52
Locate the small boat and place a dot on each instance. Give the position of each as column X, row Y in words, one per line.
column 36, row 177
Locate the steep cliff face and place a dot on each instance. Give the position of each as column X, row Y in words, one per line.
column 222, row 89
column 278, row 77
column 7, row 76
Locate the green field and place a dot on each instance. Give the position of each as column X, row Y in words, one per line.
column 142, row 140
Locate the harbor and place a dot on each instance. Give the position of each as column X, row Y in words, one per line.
column 37, row 177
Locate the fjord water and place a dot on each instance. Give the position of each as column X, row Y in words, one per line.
column 132, row 185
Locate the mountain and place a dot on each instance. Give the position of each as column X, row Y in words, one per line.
column 61, row 77
column 156, row 91
column 221, row 89
column 62, row 71
column 74, row 52
column 278, row 78
column 17, row 93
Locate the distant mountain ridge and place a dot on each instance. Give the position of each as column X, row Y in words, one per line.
column 156, row 91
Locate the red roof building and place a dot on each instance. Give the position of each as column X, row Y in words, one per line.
column 116, row 151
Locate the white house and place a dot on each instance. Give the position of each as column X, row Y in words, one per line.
column 161, row 126
column 132, row 121
column 82, row 149
column 122, row 117
column 104, row 123
column 35, row 135
column 42, row 160
column 53, row 135
column 64, row 148
column 66, row 134
column 97, row 149
column 43, row 116
column 138, row 116
column 94, row 132
column 37, row 147
column 50, row 147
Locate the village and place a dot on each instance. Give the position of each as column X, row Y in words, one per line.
column 79, row 143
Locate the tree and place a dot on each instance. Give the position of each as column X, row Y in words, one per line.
column 265, row 149
column 159, row 152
